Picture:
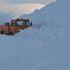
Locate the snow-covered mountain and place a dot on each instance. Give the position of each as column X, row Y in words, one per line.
column 46, row 48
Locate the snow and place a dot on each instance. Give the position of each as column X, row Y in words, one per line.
column 45, row 46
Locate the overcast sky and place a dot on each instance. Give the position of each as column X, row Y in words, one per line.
column 26, row 1
column 18, row 7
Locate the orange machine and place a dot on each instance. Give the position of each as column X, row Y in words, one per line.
column 15, row 26
column 21, row 23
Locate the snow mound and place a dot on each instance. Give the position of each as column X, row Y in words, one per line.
column 46, row 48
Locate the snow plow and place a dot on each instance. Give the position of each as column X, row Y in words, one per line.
column 15, row 26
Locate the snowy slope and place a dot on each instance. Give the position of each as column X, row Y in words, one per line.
column 46, row 48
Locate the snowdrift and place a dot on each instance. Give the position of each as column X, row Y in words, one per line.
column 46, row 48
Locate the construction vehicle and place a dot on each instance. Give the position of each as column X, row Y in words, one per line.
column 15, row 26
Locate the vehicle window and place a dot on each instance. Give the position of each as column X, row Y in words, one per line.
column 19, row 22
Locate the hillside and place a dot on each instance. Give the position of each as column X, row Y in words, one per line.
column 44, row 48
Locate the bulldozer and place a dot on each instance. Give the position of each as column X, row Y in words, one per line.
column 15, row 26
column 21, row 23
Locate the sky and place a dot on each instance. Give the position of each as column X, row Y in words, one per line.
column 18, row 7
column 26, row 1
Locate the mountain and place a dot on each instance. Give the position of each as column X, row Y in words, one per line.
column 47, row 48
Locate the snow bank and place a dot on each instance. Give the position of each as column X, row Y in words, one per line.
column 45, row 48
